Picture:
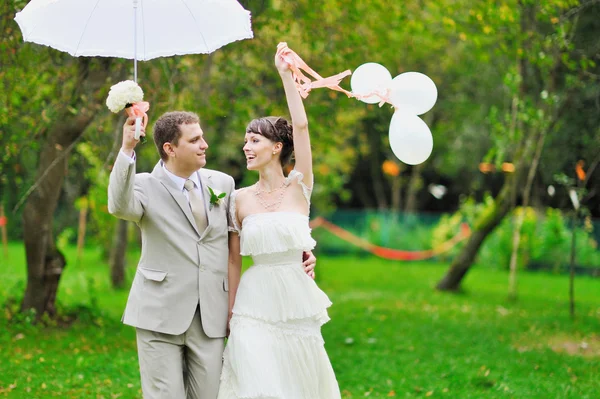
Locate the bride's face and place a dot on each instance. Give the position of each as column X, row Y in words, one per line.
column 260, row 151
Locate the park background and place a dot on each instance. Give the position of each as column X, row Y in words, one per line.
column 510, row 310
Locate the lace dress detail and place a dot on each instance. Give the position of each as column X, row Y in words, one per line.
column 234, row 226
column 299, row 176
column 275, row 348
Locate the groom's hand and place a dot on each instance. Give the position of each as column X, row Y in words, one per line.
column 228, row 322
column 309, row 263
column 129, row 141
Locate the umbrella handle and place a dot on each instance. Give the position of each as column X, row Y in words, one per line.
column 138, row 110
column 138, row 127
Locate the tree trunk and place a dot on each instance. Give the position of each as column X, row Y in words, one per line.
column 48, row 262
column 81, row 230
column 44, row 262
column 463, row 261
column 119, row 250
column 396, row 193
column 516, row 242
column 3, row 223
column 512, row 279
column 43, row 267
column 572, row 269
column 55, row 264
column 414, row 185
column 487, row 222
column 377, row 184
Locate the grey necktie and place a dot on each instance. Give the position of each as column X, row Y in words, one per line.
column 197, row 205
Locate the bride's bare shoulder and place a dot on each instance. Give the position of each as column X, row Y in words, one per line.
column 243, row 193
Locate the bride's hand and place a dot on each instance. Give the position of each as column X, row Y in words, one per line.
column 282, row 66
column 228, row 322
column 309, row 262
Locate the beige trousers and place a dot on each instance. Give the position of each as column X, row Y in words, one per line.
column 185, row 366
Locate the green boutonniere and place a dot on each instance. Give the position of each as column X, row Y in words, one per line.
column 215, row 197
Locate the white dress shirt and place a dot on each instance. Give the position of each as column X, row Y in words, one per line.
column 179, row 181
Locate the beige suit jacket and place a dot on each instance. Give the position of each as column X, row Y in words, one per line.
column 180, row 267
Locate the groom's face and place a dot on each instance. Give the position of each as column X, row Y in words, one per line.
column 190, row 151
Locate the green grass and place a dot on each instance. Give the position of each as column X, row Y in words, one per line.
column 391, row 334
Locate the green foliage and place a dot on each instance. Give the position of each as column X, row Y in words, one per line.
column 101, row 223
column 554, row 239
column 66, row 237
column 551, row 242
column 497, row 249
column 545, row 239
column 470, row 212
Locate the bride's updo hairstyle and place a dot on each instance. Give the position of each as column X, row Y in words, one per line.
column 278, row 130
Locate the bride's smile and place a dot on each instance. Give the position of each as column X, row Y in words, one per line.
column 259, row 150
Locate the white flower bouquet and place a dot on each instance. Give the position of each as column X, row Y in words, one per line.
column 129, row 96
column 123, row 94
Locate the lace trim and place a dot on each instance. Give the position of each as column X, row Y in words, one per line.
column 299, row 176
column 234, row 226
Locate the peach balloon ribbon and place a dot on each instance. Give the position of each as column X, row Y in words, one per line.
column 138, row 110
column 384, row 96
column 303, row 83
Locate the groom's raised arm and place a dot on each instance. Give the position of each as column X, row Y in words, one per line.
column 126, row 199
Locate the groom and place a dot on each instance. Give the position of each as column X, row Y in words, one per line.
column 179, row 298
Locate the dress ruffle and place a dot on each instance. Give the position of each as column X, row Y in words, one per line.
column 275, row 232
column 278, row 293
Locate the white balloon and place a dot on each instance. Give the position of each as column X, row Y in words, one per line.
column 368, row 78
column 410, row 138
column 413, row 92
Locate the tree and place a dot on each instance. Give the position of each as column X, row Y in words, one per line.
column 45, row 262
column 547, row 74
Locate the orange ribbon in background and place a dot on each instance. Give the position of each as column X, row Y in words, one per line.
column 138, row 110
column 390, row 253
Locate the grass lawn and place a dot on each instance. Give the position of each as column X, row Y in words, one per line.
column 391, row 334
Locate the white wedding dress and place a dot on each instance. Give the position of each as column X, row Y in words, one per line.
column 275, row 348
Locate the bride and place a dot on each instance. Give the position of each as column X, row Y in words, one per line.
column 275, row 348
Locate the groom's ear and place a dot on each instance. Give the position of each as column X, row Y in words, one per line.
column 168, row 148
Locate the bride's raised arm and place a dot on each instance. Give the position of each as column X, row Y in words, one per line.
column 302, row 150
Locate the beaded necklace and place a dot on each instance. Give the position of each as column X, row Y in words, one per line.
column 271, row 206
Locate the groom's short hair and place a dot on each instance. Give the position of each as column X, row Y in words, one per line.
column 166, row 129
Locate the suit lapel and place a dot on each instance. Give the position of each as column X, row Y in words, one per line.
column 177, row 195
